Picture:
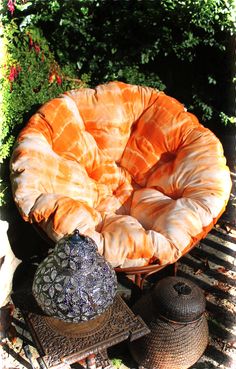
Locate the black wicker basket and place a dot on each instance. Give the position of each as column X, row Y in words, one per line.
column 175, row 313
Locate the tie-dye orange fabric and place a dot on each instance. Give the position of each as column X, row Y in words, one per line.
column 126, row 165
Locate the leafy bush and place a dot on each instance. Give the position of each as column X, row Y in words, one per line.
column 180, row 45
column 29, row 76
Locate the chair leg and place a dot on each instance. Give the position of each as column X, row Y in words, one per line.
column 175, row 268
column 138, row 280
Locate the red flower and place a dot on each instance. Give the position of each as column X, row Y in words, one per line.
column 37, row 48
column 59, row 80
column 31, row 43
column 13, row 73
column 52, row 77
column 11, row 6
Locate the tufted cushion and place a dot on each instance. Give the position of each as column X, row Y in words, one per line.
column 126, row 165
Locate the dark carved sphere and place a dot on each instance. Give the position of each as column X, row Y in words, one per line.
column 75, row 283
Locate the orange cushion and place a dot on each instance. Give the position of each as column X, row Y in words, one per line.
column 126, row 165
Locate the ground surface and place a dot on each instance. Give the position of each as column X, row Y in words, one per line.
column 211, row 265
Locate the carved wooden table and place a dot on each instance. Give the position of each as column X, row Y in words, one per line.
column 60, row 344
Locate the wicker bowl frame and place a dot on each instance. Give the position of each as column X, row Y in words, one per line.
column 140, row 273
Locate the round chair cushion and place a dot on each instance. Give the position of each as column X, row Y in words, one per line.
column 126, row 165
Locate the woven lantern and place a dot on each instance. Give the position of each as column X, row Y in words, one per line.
column 175, row 313
column 74, row 283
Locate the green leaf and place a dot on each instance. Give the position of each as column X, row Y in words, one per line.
column 23, row 7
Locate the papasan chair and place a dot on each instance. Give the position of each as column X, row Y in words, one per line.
column 126, row 165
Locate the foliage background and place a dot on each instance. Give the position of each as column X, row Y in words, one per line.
column 184, row 47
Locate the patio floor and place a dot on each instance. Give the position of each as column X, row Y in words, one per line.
column 211, row 265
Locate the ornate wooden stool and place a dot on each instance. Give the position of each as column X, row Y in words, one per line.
column 75, row 310
column 60, row 343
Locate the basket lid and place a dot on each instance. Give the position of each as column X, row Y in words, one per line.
column 178, row 299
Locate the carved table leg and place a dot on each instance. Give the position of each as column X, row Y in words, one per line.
column 102, row 360
column 96, row 361
column 91, row 361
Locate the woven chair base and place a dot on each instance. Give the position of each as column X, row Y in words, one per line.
column 140, row 273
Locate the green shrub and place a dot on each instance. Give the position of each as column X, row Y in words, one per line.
column 30, row 75
column 181, row 45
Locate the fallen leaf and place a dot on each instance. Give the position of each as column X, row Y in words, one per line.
column 231, row 344
column 198, row 271
column 222, row 270
column 207, row 294
column 223, row 286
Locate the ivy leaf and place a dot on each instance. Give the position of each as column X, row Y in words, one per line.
column 23, row 7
